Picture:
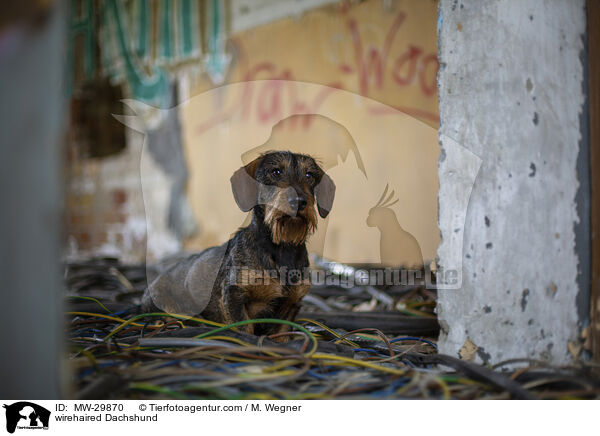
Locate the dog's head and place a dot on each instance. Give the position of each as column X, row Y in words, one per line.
column 286, row 186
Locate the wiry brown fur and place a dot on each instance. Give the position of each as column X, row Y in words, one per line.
column 287, row 225
column 291, row 230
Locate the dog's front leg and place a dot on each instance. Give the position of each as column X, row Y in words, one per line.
column 287, row 311
column 234, row 306
column 290, row 305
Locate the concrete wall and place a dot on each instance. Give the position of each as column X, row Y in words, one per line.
column 31, row 121
column 510, row 92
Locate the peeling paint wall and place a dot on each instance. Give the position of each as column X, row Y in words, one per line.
column 130, row 205
column 510, row 92
column 383, row 53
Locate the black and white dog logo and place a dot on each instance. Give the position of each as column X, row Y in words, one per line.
column 26, row 415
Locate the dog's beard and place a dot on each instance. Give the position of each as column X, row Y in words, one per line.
column 290, row 229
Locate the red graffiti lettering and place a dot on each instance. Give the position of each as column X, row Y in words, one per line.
column 266, row 102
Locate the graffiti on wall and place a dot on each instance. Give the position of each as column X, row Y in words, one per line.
column 370, row 71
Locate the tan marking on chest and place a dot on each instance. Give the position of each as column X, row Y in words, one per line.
column 256, row 307
column 261, row 289
column 259, row 285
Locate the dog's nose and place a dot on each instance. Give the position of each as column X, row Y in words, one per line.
column 297, row 203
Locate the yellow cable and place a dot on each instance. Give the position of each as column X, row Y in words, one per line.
column 163, row 314
column 100, row 315
column 322, row 356
column 230, row 339
column 445, row 389
column 324, row 327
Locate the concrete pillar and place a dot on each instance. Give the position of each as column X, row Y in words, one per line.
column 511, row 93
column 31, row 120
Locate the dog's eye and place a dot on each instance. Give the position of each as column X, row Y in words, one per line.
column 309, row 176
column 276, row 172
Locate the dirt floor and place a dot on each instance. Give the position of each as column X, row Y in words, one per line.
column 358, row 343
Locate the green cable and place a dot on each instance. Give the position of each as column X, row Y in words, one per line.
column 157, row 314
column 220, row 329
column 265, row 321
column 90, row 299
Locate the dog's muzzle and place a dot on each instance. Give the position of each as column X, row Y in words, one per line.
column 297, row 203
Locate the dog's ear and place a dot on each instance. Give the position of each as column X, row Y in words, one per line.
column 245, row 187
column 324, row 192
